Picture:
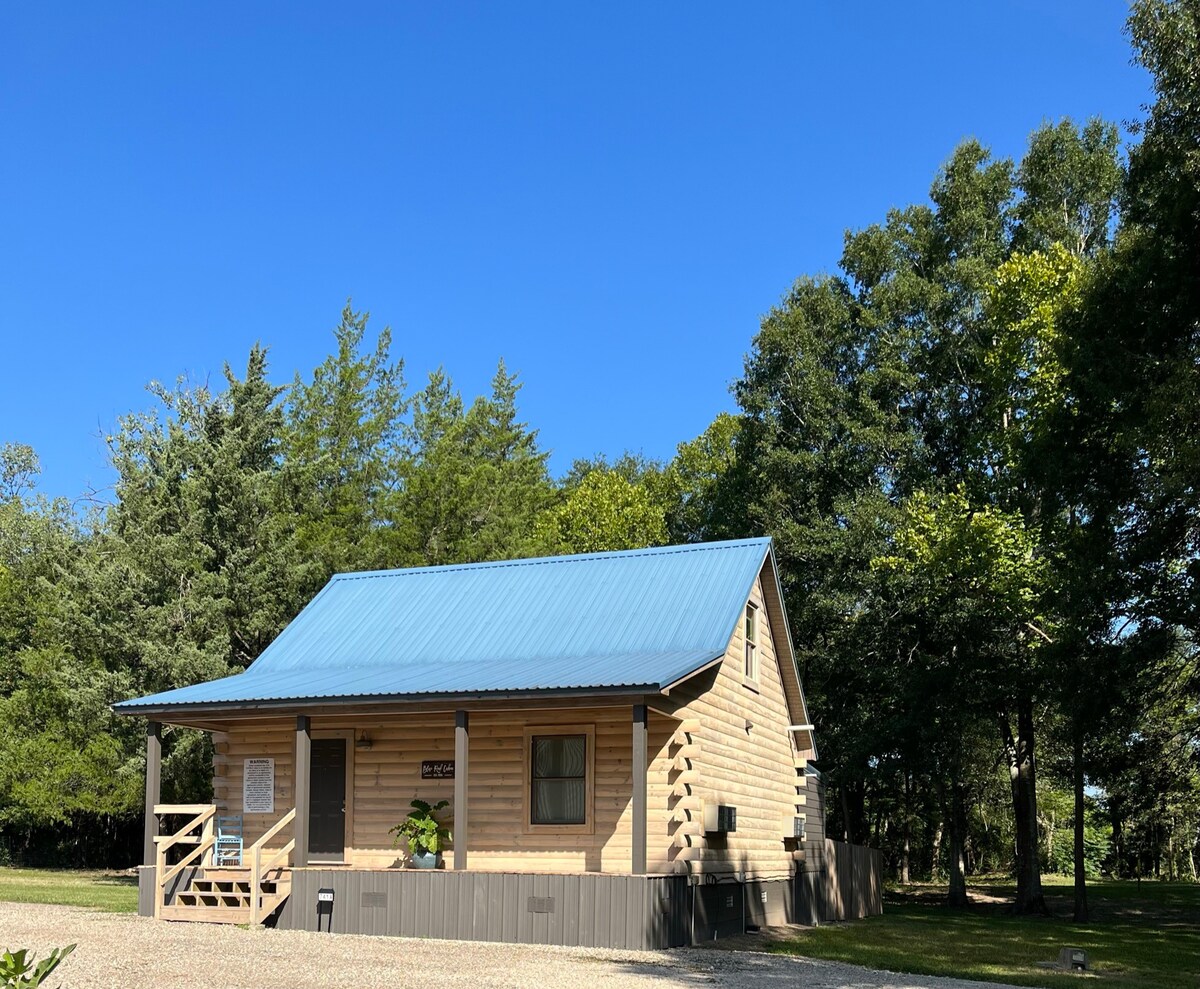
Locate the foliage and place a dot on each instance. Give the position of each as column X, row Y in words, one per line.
column 1060, row 856
column 421, row 829
column 604, row 511
column 344, row 451
column 20, row 971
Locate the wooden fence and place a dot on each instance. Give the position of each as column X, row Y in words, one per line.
column 839, row 882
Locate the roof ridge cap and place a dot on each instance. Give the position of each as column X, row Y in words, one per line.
column 530, row 561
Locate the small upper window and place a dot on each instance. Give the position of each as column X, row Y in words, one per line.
column 751, row 669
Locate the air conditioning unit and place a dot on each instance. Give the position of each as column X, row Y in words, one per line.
column 793, row 826
column 719, row 818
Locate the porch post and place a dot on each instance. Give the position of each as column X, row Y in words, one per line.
column 639, row 789
column 153, row 788
column 303, row 789
column 462, row 737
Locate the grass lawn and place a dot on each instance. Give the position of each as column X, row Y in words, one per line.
column 107, row 891
column 1138, row 938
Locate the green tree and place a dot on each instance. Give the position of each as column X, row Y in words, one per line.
column 603, row 512
column 62, row 754
column 965, row 587
column 477, row 481
column 345, row 451
column 821, row 445
column 1070, row 181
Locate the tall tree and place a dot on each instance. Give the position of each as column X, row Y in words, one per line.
column 819, row 449
column 478, row 480
column 345, row 451
column 603, row 512
column 63, row 766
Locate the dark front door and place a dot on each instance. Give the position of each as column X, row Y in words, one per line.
column 327, row 809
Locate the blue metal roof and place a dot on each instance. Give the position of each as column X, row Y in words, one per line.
column 639, row 619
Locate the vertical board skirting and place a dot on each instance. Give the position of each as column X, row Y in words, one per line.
column 636, row 912
column 146, row 891
column 840, row 882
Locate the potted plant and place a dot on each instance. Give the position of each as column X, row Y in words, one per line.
column 425, row 834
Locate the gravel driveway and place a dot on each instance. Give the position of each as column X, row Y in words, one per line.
column 138, row 953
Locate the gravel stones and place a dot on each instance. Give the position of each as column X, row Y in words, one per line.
column 139, row 953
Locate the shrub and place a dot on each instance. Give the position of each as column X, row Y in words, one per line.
column 19, row 971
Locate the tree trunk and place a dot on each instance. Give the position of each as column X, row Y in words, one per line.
column 1081, row 904
column 906, row 848
column 1051, row 835
column 858, row 825
column 1171, row 850
column 1117, row 816
column 935, row 862
column 957, row 821
column 1022, row 769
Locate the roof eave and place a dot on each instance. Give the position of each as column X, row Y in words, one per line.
column 787, row 627
column 165, row 711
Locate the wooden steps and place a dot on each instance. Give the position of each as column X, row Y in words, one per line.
column 207, row 915
column 223, row 896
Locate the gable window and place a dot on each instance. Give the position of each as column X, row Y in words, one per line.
column 751, row 637
column 558, row 779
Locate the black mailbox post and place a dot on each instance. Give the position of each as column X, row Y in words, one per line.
column 325, row 909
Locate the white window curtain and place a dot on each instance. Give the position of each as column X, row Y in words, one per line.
column 559, row 779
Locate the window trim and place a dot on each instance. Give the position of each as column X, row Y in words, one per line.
column 589, row 780
column 751, row 646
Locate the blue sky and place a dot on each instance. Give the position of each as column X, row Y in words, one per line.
column 607, row 195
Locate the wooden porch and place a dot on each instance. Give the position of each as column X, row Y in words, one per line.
column 187, row 885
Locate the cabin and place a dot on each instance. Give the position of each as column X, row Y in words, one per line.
column 621, row 738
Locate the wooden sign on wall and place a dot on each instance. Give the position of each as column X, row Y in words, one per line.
column 258, row 786
column 437, row 769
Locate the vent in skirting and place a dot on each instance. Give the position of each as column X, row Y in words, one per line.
column 374, row 899
column 541, row 904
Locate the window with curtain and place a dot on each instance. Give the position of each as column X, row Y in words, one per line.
column 558, row 771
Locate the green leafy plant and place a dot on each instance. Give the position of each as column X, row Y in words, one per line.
column 19, row 971
column 421, row 828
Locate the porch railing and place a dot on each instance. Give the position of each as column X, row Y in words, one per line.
column 202, row 821
column 260, row 866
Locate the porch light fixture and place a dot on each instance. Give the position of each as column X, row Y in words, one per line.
column 363, row 741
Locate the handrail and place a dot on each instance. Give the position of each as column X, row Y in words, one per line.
column 275, row 828
column 179, row 866
column 258, row 869
column 182, row 808
column 283, row 853
column 183, row 833
column 203, row 818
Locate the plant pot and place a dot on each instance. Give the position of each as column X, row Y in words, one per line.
column 425, row 860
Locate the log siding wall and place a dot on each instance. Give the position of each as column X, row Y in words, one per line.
column 388, row 775
column 756, row 769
